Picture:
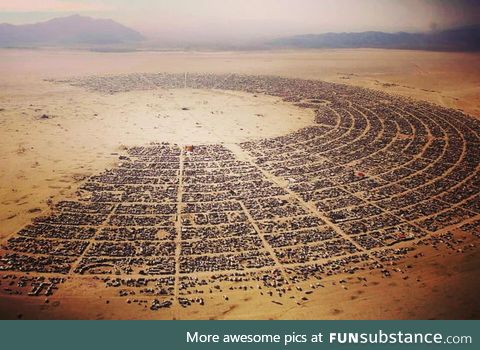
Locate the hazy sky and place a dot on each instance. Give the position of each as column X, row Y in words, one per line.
column 249, row 19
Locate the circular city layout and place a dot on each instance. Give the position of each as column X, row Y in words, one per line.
column 174, row 225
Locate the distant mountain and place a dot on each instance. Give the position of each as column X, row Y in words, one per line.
column 67, row 31
column 457, row 39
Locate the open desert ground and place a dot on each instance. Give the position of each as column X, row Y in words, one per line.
column 55, row 135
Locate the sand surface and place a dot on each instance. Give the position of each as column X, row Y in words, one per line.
column 44, row 159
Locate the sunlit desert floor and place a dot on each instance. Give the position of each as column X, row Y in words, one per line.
column 53, row 136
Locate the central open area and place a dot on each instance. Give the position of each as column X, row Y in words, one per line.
column 65, row 144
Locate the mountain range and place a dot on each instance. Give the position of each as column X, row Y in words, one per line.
column 67, row 31
column 456, row 39
column 106, row 34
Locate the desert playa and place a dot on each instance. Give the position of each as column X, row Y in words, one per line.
column 324, row 184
